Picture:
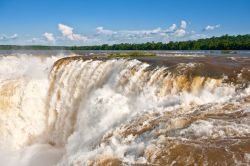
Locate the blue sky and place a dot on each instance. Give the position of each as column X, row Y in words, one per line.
column 90, row 22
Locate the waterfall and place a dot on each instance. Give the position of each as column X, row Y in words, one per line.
column 76, row 111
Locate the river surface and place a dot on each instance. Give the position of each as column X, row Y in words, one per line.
column 177, row 108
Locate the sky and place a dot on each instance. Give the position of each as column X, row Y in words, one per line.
column 95, row 22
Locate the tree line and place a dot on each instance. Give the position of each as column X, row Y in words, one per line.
column 225, row 42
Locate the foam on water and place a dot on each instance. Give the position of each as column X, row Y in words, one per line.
column 84, row 112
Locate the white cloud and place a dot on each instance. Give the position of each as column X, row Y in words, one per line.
column 172, row 28
column 128, row 36
column 5, row 37
column 150, row 32
column 142, row 33
column 183, row 24
column 49, row 36
column 123, row 33
column 211, row 27
column 67, row 32
column 180, row 33
column 173, row 32
column 195, row 36
column 101, row 30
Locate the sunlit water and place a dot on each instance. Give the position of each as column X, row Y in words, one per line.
column 163, row 110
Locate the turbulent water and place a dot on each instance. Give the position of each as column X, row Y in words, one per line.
column 97, row 111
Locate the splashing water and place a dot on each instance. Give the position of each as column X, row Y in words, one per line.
column 101, row 111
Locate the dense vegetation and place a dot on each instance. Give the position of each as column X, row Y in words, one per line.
column 226, row 42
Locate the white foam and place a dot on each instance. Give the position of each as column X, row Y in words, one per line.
column 38, row 154
column 215, row 129
column 87, row 100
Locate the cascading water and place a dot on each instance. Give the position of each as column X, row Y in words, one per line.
column 104, row 111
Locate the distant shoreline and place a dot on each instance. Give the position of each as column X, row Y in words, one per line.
column 224, row 43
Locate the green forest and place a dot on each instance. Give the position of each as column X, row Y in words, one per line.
column 226, row 42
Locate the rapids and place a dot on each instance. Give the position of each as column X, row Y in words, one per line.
column 57, row 110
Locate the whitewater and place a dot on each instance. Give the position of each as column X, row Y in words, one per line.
column 95, row 110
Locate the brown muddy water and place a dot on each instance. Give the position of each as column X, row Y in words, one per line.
column 172, row 109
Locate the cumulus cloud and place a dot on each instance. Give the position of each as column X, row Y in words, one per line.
column 172, row 28
column 6, row 38
column 211, row 27
column 49, row 36
column 181, row 30
column 101, row 30
column 67, row 32
column 142, row 33
column 180, row 33
column 150, row 34
column 183, row 24
column 131, row 36
column 174, row 32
